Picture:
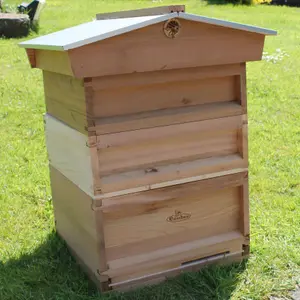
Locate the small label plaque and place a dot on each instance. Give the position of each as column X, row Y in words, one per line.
column 178, row 217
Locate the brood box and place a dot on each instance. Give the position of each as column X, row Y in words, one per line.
column 146, row 131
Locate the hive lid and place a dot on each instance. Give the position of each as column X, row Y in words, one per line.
column 98, row 30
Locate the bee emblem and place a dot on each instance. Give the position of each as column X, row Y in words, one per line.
column 172, row 28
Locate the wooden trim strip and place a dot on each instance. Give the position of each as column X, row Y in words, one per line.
column 152, row 11
column 228, row 24
column 169, row 172
column 177, row 254
column 167, row 183
column 166, row 117
column 180, row 268
column 165, row 76
column 241, row 88
column 245, row 209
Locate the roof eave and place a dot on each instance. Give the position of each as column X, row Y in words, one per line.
column 233, row 25
column 100, row 37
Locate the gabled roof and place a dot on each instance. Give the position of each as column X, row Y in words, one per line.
column 95, row 31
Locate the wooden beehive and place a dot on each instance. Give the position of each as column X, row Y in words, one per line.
column 146, row 129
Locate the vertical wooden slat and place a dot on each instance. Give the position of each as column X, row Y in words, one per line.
column 31, row 57
column 245, row 209
column 103, row 266
column 242, row 137
column 243, row 150
column 89, row 94
column 241, row 88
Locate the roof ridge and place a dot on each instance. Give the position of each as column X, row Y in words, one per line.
column 98, row 30
column 151, row 11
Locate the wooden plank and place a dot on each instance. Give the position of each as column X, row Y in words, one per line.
column 65, row 100
column 166, row 117
column 69, row 153
column 89, row 103
column 198, row 44
column 53, row 61
column 151, row 134
column 170, row 173
column 242, row 88
column 100, row 242
column 245, row 218
column 145, row 272
column 147, row 98
column 165, row 151
column 243, row 139
column 31, row 57
column 119, row 283
column 169, row 192
column 149, row 245
column 178, row 254
column 75, row 219
column 164, row 76
column 203, row 211
column 152, row 11
column 132, row 280
column 164, row 184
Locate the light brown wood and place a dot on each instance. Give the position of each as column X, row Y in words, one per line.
column 165, row 117
column 53, row 61
column 165, row 234
column 134, row 80
column 144, row 272
column 75, row 219
column 65, row 100
column 241, row 87
column 162, row 132
column 193, row 250
column 218, row 138
column 150, row 279
column 162, row 274
column 100, row 242
column 152, row 11
column 148, row 49
column 148, row 148
column 206, row 185
column 243, row 141
column 89, row 104
column 169, row 183
column 31, row 57
column 124, row 101
column 166, row 151
column 169, row 174
column 245, row 210
column 69, row 152
column 204, row 210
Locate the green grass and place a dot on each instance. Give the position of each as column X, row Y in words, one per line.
column 35, row 264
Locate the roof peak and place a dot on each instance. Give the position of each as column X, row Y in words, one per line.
column 152, row 11
column 102, row 29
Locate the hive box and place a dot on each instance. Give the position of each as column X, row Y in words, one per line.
column 146, row 129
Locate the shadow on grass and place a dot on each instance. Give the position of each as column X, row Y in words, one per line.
column 51, row 273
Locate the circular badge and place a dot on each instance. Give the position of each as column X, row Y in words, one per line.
column 172, row 28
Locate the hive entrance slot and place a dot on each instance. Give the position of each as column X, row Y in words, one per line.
column 206, row 259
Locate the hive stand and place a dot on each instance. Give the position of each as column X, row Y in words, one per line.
column 146, row 129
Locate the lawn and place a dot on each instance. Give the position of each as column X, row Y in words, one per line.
column 35, row 264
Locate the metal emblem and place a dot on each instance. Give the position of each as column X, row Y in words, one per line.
column 172, row 28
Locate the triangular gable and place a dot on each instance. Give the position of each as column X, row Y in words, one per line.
column 96, row 31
